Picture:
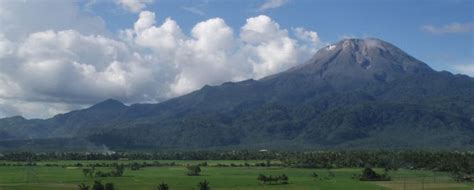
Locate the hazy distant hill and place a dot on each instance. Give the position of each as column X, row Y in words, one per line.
column 357, row 93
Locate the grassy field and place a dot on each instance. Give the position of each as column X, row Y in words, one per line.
column 242, row 178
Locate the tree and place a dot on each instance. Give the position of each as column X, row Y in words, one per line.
column 262, row 178
column 98, row 186
column 283, row 178
column 83, row 186
column 119, row 170
column 193, row 170
column 162, row 186
column 135, row 166
column 370, row 175
column 204, row 185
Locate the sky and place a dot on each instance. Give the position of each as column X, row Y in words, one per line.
column 61, row 55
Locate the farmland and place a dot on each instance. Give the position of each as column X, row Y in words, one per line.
column 221, row 174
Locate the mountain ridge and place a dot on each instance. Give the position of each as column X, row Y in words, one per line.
column 349, row 95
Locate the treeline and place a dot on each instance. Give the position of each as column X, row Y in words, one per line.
column 190, row 155
column 438, row 161
column 280, row 179
column 138, row 165
column 117, row 172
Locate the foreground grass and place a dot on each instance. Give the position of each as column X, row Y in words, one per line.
column 242, row 178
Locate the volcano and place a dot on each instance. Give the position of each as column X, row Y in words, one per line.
column 354, row 94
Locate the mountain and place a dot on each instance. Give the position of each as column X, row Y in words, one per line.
column 359, row 61
column 357, row 93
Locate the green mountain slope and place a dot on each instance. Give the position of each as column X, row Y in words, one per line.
column 357, row 93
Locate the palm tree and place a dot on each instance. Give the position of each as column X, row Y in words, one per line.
column 204, row 185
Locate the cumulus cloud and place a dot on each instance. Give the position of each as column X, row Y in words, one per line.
column 66, row 69
column 68, row 66
column 453, row 28
column 134, row 5
column 272, row 4
column 162, row 39
column 262, row 48
column 55, row 70
column 309, row 36
column 268, row 48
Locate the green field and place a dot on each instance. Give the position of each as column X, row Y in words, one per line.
column 243, row 178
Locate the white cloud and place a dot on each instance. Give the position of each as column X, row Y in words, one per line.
column 163, row 39
column 134, row 5
column 145, row 20
column 303, row 34
column 272, row 4
column 212, row 35
column 262, row 48
column 453, row 28
column 261, row 29
column 311, row 37
column 53, row 71
column 268, row 48
column 209, row 50
column 68, row 66
column 6, row 46
column 467, row 69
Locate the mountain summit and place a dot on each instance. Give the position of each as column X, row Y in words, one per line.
column 370, row 55
column 357, row 93
column 109, row 104
column 356, row 60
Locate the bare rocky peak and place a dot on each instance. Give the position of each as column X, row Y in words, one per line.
column 368, row 58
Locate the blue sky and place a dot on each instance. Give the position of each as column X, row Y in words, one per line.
column 399, row 22
column 61, row 55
